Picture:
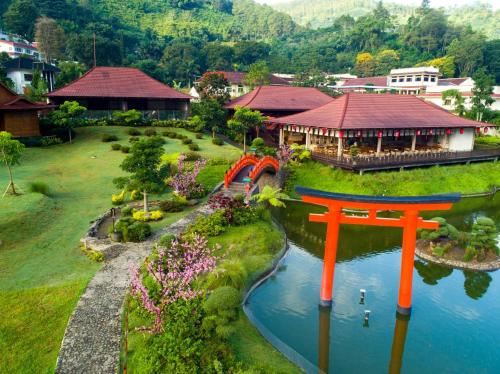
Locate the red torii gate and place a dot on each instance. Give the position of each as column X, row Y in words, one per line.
column 409, row 221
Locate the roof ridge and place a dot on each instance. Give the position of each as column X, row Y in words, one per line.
column 255, row 91
column 344, row 111
column 72, row 82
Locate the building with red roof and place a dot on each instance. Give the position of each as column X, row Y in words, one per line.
column 119, row 88
column 18, row 115
column 278, row 101
column 376, row 123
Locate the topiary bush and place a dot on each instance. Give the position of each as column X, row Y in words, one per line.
column 191, row 156
column 133, row 139
column 106, row 138
column 199, row 135
column 39, row 187
column 445, row 231
column 166, row 240
column 194, row 147
column 187, row 141
column 212, row 225
column 126, row 211
column 133, row 132
column 125, row 149
column 483, row 237
column 137, row 232
column 258, row 142
column 116, row 146
column 150, row 132
column 172, row 206
column 218, row 141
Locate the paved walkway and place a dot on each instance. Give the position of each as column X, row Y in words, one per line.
column 92, row 339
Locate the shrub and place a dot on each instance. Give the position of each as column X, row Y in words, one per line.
column 116, row 146
column 194, row 147
column 48, row 141
column 136, row 195
column 126, row 211
column 141, row 215
column 244, row 216
column 133, row 139
column 125, row 149
column 106, row 138
column 39, row 187
column 150, row 132
column 218, row 141
column 191, row 156
column 445, row 231
column 172, row 206
column 118, row 199
column 130, row 117
column 221, row 308
column 138, row 232
column 484, row 235
column 470, row 253
column 212, row 225
column 134, row 132
column 441, row 250
column 166, row 240
column 228, row 273
column 354, row 151
column 199, row 135
column 258, row 142
column 171, row 134
column 187, row 141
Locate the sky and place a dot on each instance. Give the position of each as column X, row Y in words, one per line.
column 434, row 3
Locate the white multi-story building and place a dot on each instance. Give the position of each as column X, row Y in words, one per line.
column 21, row 71
column 15, row 46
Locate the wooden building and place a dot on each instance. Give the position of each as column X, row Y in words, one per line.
column 18, row 115
column 105, row 89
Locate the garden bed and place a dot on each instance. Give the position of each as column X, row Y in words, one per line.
column 454, row 258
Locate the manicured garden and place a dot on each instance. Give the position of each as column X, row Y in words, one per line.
column 467, row 179
column 42, row 270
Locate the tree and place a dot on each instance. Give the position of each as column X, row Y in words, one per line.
column 481, row 93
column 446, row 65
column 4, row 57
column 243, row 120
column 19, row 18
column 37, row 88
column 467, row 53
column 247, row 53
column 144, row 164
column 219, row 56
column 66, row 115
column 211, row 112
column 365, row 64
column 70, row 71
column 385, row 61
column 213, row 85
column 50, row 37
column 11, row 151
column 271, row 197
column 458, row 100
column 258, row 75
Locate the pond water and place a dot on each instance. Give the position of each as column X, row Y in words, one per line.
column 455, row 321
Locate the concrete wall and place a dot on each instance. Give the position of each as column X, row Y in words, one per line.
column 462, row 142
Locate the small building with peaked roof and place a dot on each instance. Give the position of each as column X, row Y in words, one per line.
column 21, row 70
column 18, row 115
column 377, row 124
column 279, row 101
column 105, row 89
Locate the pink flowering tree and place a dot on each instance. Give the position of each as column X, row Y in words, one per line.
column 184, row 181
column 284, row 154
column 172, row 272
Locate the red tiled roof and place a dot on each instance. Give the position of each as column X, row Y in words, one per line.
column 118, row 82
column 237, row 77
column 376, row 111
column 281, row 98
column 375, row 81
column 16, row 102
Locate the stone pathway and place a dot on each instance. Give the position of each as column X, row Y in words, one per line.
column 92, row 339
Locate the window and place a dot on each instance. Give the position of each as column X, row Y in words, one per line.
column 394, row 79
column 28, row 51
column 426, row 78
column 36, row 54
column 409, row 79
column 28, row 77
column 240, row 89
column 433, row 79
column 401, row 79
column 447, row 102
column 418, row 78
column 17, row 49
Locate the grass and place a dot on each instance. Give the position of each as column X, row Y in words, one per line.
column 255, row 245
column 467, row 179
column 42, row 270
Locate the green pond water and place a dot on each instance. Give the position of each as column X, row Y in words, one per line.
column 455, row 321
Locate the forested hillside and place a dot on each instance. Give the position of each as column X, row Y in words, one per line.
column 322, row 13
column 177, row 40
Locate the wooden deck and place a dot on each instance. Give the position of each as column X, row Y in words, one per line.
column 374, row 163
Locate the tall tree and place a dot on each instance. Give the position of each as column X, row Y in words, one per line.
column 50, row 37
column 70, row 71
column 385, row 61
column 243, row 120
column 213, row 85
column 211, row 112
column 19, row 18
column 365, row 64
column 10, row 151
column 258, row 74
column 481, row 93
column 144, row 165
column 467, row 53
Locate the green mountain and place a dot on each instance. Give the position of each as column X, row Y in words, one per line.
column 322, row 13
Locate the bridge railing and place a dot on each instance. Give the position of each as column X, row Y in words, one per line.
column 245, row 160
column 265, row 162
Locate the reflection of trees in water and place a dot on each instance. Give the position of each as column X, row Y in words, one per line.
column 476, row 283
column 431, row 273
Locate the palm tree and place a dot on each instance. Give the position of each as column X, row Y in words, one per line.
column 271, row 196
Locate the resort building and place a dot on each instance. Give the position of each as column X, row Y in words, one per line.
column 103, row 90
column 18, row 115
column 237, row 85
column 279, row 101
column 21, row 71
column 16, row 46
column 358, row 128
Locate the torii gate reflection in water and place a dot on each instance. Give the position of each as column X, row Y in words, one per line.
column 409, row 221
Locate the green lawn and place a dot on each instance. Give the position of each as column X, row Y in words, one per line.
column 42, row 270
column 467, row 179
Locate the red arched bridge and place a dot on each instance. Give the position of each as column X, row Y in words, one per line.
column 250, row 166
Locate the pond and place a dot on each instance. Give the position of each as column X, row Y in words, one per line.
column 455, row 321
